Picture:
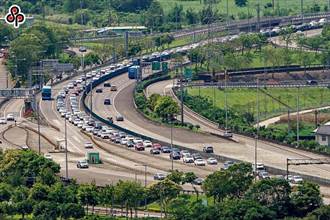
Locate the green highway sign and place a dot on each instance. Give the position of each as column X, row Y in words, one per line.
column 188, row 73
column 155, row 65
column 164, row 66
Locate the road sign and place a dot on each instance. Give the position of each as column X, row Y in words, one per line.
column 164, row 66
column 15, row 93
column 64, row 67
column 155, row 65
column 187, row 73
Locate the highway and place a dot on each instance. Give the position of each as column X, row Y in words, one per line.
column 269, row 154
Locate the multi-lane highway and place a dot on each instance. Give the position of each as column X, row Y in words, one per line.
column 269, row 154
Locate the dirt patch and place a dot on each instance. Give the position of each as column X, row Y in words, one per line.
column 320, row 118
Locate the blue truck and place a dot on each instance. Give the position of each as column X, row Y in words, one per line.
column 46, row 93
column 134, row 72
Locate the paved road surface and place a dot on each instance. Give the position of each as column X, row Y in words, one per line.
column 269, row 154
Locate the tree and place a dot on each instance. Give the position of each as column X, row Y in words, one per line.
column 107, row 196
column 6, row 33
column 208, row 15
column 189, row 178
column 153, row 21
column 322, row 213
column 166, row 106
column 175, row 176
column 88, row 195
column 45, row 211
column 39, row 192
column 176, row 14
column 5, row 192
column 241, row 3
column 164, row 191
column 131, row 5
column 273, row 194
column 47, row 177
column 232, row 182
column 191, row 16
column 306, row 198
column 71, row 210
column 70, row 5
column 245, row 209
column 59, row 193
column 24, row 207
column 152, row 101
column 129, row 194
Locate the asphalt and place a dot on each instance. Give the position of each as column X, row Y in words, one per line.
column 270, row 154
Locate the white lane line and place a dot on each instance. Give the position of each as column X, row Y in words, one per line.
column 56, row 122
column 75, row 147
column 77, row 139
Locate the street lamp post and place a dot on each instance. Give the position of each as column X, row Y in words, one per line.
column 171, row 136
column 66, row 150
column 257, row 133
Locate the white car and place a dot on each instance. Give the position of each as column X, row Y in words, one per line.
column 188, row 159
column 70, row 86
column 297, row 179
column 147, row 143
column 105, row 135
column 137, row 140
column 200, row 162
column 48, row 156
column 63, row 114
column 80, row 124
column 76, row 122
column 123, row 141
column 89, row 129
column 10, row 117
column 3, row 121
column 212, row 161
column 88, row 145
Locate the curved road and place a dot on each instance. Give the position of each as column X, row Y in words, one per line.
column 269, row 154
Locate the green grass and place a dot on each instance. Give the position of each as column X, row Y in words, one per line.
column 294, row 5
column 244, row 100
column 305, row 129
column 190, row 198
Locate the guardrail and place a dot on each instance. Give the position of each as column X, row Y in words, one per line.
column 104, row 78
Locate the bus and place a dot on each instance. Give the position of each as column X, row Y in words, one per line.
column 46, row 93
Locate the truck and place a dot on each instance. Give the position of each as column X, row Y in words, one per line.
column 46, row 93
column 134, row 72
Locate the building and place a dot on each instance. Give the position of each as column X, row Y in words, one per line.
column 322, row 135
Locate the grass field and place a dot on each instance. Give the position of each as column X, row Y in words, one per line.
column 294, row 5
column 245, row 100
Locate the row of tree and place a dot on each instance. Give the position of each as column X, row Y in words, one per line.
column 29, row 185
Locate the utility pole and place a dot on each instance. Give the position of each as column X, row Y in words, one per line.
column 181, row 87
column 257, row 133
column 66, row 150
column 302, row 9
column 298, row 117
column 258, row 15
column 82, row 14
column 227, row 11
column 172, row 145
column 226, row 101
column 91, row 104
column 38, row 119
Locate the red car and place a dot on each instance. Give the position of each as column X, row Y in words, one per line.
column 156, row 146
column 139, row 147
